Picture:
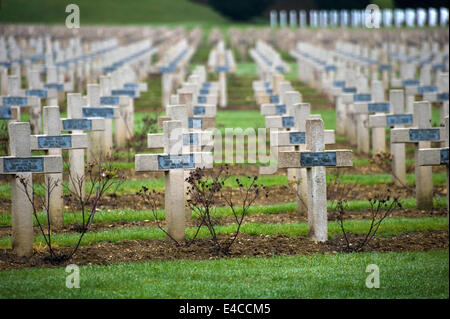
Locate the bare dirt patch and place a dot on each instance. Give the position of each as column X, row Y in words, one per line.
column 245, row 246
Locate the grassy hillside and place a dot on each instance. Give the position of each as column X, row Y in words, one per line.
column 109, row 12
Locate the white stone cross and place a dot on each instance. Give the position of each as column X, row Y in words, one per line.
column 437, row 156
column 363, row 109
column 17, row 99
column 55, row 89
column 123, row 99
column 173, row 162
column 100, row 142
column 291, row 140
column 53, row 141
column 421, row 135
column 315, row 158
column 285, row 101
column 193, row 117
column 396, row 119
column 23, row 165
column 76, row 124
column 441, row 95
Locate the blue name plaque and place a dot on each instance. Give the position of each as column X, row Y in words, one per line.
column 269, row 91
column 287, row 121
column 385, row 67
column 39, row 93
column 204, row 91
column 349, row 90
column 441, row 97
column 280, row 109
column 379, row 107
column 182, row 161
column 296, row 138
column 56, row 86
column 222, row 69
column 109, row 100
column 26, row 164
column 130, row 93
column 14, row 101
column 427, row 89
column 274, row 99
column 196, row 123
column 399, row 119
column 190, row 139
column 131, row 86
column 439, row 66
column 206, row 85
column 77, row 124
column 339, row 84
column 199, row 110
column 411, row 83
column 105, row 112
column 201, row 99
column 5, row 112
column 63, row 141
column 317, row 159
column 429, row 134
column 362, row 97
column 444, row 156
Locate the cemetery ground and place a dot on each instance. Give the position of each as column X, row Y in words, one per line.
column 125, row 254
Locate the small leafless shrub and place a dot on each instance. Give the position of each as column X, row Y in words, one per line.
column 206, row 192
column 381, row 207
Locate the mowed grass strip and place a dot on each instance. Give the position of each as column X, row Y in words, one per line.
column 124, row 215
column 157, row 184
column 390, row 227
column 403, row 275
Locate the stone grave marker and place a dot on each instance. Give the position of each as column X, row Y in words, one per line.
column 376, row 105
column 396, row 119
column 16, row 99
column 100, row 142
column 22, row 165
column 315, row 158
column 421, row 135
column 173, row 162
column 76, row 124
column 123, row 99
column 437, row 156
column 54, row 142
column 294, row 139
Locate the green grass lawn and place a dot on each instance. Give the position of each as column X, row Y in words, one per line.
column 390, row 227
column 402, row 275
column 129, row 215
column 111, row 12
column 133, row 186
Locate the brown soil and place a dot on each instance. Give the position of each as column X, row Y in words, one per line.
column 245, row 246
column 277, row 195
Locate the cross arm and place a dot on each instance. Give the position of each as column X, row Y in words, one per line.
column 383, row 120
column 33, row 164
column 371, row 107
column 101, row 111
column 273, row 109
column 334, row 158
column 122, row 100
column 68, row 141
column 415, row 135
column 166, row 162
column 85, row 124
column 433, row 156
column 204, row 110
column 297, row 137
